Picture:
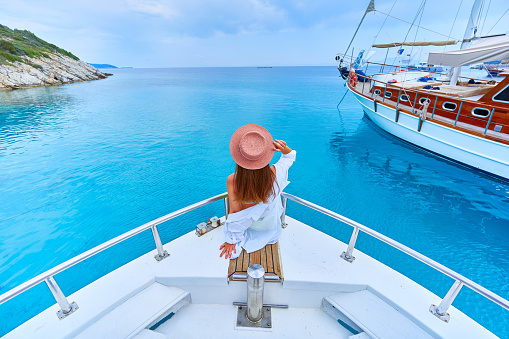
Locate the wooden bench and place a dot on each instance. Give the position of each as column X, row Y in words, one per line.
column 268, row 257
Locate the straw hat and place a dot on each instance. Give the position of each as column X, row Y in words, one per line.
column 252, row 147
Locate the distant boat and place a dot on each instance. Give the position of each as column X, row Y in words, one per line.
column 494, row 71
column 424, row 66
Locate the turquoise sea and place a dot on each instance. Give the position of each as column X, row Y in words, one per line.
column 85, row 162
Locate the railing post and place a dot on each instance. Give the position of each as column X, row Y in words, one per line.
column 226, row 208
column 440, row 311
column 491, row 116
column 161, row 253
column 348, row 254
column 363, row 83
column 385, row 91
column 434, row 106
column 65, row 307
column 458, row 115
column 399, row 95
column 283, row 223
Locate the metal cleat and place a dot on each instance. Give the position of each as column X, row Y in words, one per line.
column 205, row 227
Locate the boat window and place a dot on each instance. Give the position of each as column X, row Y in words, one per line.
column 503, row 95
column 449, row 106
column 423, row 100
column 481, row 112
column 404, row 97
column 378, row 92
column 388, row 94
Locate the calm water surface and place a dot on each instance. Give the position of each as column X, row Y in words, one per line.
column 83, row 163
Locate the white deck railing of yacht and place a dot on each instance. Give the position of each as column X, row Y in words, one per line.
column 67, row 308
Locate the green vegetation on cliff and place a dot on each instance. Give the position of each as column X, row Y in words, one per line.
column 15, row 43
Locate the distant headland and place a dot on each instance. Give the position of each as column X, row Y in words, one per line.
column 105, row 66
column 28, row 61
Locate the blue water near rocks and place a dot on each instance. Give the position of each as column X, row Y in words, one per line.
column 85, row 162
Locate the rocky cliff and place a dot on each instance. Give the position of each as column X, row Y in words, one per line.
column 26, row 60
column 53, row 70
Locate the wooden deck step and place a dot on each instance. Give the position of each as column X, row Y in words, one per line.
column 268, row 257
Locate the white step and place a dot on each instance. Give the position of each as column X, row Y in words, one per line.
column 140, row 311
column 215, row 321
column 148, row 334
column 374, row 316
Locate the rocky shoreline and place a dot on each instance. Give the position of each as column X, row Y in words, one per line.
column 56, row 70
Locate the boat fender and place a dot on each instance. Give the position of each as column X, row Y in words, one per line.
column 353, row 80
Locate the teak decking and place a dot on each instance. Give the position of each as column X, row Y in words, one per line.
column 268, row 257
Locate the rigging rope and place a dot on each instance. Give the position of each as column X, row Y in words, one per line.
column 497, row 21
column 382, row 26
column 421, row 7
column 487, row 10
column 408, row 22
column 450, row 32
column 417, row 31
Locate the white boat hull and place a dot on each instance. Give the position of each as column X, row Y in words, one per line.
column 481, row 154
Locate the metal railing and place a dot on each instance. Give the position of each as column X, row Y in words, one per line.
column 68, row 308
column 48, row 276
column 439, row 311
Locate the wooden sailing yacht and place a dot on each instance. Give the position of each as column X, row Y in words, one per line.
column 463, row 119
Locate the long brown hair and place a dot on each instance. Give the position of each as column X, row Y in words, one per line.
column 254, row 185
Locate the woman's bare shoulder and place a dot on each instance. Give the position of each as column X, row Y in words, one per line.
column 230, row 179
column 230, row 184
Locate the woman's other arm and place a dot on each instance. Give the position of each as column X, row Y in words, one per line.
column 227, row 248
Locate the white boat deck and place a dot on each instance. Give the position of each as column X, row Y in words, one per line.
column 137, row 299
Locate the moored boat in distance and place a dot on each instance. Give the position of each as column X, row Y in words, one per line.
column 183, row 289
column 494, row 71
column 424, row 66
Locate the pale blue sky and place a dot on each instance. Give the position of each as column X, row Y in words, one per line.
column 178, row 33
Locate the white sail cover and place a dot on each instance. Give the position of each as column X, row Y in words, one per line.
column 486, row 49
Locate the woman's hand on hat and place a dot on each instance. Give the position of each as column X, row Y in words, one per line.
column 280, row 146
column 227, row 250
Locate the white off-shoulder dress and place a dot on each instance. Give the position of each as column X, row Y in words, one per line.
column 259, row 225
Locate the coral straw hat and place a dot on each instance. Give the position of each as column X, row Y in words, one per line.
column 252, row 147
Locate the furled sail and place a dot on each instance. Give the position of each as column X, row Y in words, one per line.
column 416, row 43
column 486, row 49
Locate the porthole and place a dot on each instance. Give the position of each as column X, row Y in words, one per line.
column 404, row 97
column 388, row 95
column 481, row 112
column 423, row 100
column 378, row 92
column 449, row 106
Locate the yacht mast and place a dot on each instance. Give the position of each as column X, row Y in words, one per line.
column 470, row 32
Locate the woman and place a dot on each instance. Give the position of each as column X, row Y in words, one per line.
column 254, row 191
